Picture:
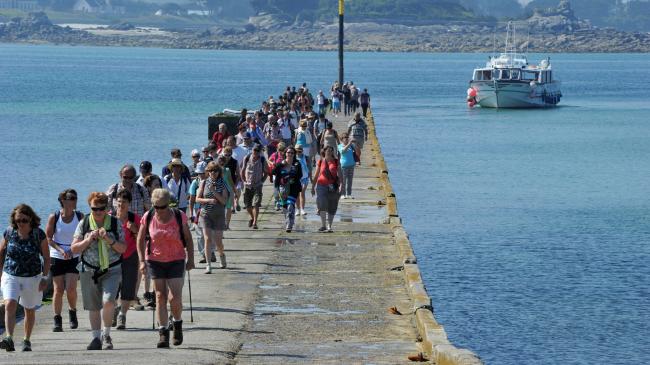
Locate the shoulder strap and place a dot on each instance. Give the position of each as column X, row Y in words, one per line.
column 130, row 217
column 57, row 214
column 85, row 226
column 179, row 221
column 114, row 191
column 79, row 215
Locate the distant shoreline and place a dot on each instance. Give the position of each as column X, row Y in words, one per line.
column 360, row 37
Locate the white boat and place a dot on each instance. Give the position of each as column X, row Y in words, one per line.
column 509, row 81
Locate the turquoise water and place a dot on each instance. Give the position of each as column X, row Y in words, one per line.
column 531, row 227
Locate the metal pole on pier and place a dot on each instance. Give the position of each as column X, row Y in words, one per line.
column 341, row 11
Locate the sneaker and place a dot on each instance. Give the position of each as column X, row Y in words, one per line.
column 350, row 197
column 255, row 226
column 74, row 323
column 250, row 222
column 222, row 261
column 121, row 321
column 58, row 324
column 95, row 344
column 304, row 212
column 238, row 208
column 27, row 345
column 208, row 269
column 329, row 229
column 345, row 196
column 7, row 344
column 108, row 342
column 288, row 230
column 202, row 260
column 322, row 229
column 213, row 258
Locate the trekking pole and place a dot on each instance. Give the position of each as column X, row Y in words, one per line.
column 189, row 286
column 153, row 319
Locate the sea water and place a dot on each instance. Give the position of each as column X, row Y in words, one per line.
column 531, row 227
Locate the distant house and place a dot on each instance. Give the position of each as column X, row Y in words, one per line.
column 97, row 7
column 25, row 5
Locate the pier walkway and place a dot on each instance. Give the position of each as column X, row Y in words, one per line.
column 300, row 297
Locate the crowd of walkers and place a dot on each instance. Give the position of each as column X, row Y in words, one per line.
column 140, row 228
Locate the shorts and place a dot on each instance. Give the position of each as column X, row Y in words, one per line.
column 326, row 201
column 166, row 270
column 61, row 267
column 359, row 141
column 105, row 291
column 130, row 268
column 23, row 288
column 253, row 197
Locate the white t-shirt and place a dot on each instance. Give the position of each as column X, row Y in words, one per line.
column 63, row 235
column 183, row 187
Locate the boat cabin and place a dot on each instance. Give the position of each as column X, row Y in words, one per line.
column 514, row 74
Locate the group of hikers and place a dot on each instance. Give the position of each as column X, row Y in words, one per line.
column 143, row 228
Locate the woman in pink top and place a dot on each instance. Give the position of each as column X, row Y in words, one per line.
column 165, row 241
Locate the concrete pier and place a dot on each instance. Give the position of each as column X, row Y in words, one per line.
column 300, row 297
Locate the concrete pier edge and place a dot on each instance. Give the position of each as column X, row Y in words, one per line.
column 434, row 338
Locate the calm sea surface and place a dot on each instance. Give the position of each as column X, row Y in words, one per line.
column 531, row 227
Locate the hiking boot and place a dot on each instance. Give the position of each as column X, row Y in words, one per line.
column 27, row 345
column 7, row 344
column 74, row 323
column 222, row 261
column 58, row 324
column 178, row 333
column 163, row 342
column 108, row 342
column 121, row 321
column 116, row 311
column 95, row 344
column 213, row 258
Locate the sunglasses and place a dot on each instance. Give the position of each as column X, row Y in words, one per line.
column 128, row 177
column 160, row 207
column 98, row 209
column 227, row 154
column 290, row 153
column 23, row 221
column 70, row 198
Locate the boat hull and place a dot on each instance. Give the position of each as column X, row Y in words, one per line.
column 516, row 94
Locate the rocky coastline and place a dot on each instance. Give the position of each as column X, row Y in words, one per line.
column 265, row 34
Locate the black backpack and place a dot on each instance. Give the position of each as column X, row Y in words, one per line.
column 179, row 221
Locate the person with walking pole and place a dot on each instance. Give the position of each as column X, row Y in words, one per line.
column 164, row 245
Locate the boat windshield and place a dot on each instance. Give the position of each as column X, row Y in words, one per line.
column 482, row 75
column 530, row 75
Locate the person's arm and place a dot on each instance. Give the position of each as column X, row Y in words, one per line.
column 45, row 252
column 49, row 234
column 315, row 178
column 339, row 173
column 191, row 207
column 140, row 247
column 189, row 248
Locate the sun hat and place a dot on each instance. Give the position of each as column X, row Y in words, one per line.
column 200, row 167
column 175, row 162
column 195, row 152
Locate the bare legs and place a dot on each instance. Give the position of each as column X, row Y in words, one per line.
column 168, row 290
